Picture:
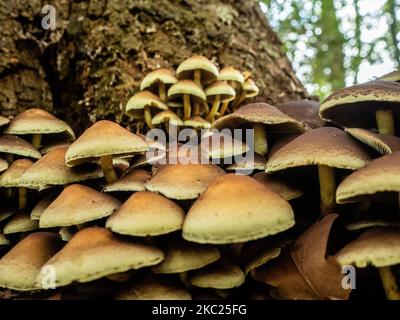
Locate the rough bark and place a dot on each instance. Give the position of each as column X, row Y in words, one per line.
column 93, row 62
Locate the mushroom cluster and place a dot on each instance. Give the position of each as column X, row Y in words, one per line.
column 97, row 217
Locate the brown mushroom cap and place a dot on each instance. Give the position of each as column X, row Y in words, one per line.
column 382, row 143
column 144, row 99
column 183, row 181
column 55, row 145
column 20, row 222
column 42, row 205
column 355, row 106
column 134, row 180
column 305, row 111
column 236, row 209
column 38, row 121
column 104, row 138
column 257, row 163
column 391, row 76
column 77, row 204
column 379, row 247
column 259, row 113
column 146, row 214
column 221, row 145
column 381, row 175
column 322, row 146
column 22, row 264
column 163, row 75
column 94, row 252
column 230, row 74
column 3, row 165
column 51, row 170
column 209, row 72
column 15, row 145
column 4, row 121
column 12, row 177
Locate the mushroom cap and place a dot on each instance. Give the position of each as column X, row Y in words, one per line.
column 221, row 145
column 175, row 104
column 378, row 246
column 20, row 222
column 305, row 111
column 3, row 240
column 12, row 177
column 236, row 209
column 244, row 164
column 183, row 181
column 197, row 122
column 222, row 89
column 188, row 87
column 169, row 115
column 6, row 211
column 15, row 145
column 149, row 288
column 77, row 204
column 327, row 146
column 381, row 143
column 286, row 191
column 355, row 106
column 4, row 121
column 146, row 214
column 209, row 72
column 219, row 275
column 3, row 165
column 22, row 264
column 134, row 180
column 38, row 121
column 163, row 75
column 379, row 176
column 230, row 74
column 55, row 145
column 94, row 252
column 144, row 99
column 51, row 170
column 391, row 76
column 250, row 88
column 42, row 205
column 183, row 256
column 104, row 138
column 259, row 113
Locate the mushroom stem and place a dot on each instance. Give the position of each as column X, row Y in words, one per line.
column 224, row 107
column 36, row 140
column 184, row 278
column 147, row 117
column 197, row 77
column 389, row 283
column 327, row 186
column 196, row 109
column 205, row 107
column 106, row 163
column 22, row 198
column 162, row 92
column 186, row 107
column 260, row 139
column 214, row 108
column 9, row 157
column 385, row 122
column 238, row 102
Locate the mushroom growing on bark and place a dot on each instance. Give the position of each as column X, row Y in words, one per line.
column 157, row 82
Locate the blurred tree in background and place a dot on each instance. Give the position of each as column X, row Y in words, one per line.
column 333, row 43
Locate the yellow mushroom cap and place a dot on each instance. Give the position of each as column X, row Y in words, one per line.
column 20, row 222
column 183, row 256
column 38, row 121
column 12, row 177
column 379, row 176
column 230, row 74
column 134, row 180
column 3, row 240
column 167, row 115
column 104, row 138
column 219, row 275
column 250, row 88
column 327, row 146
column 209, row 72
column 382, row 143
column 149, row 288
column 4, row 121
column 15, row 145
column 183, row 181
column 94, row 252
column 146, row 214
column 188, row 87
column 222, row 89
column 3, row 165
column 144, row 99
column 378, row 246
column 175, row 104
column 236, row 209
column 51, row 170
column 77, row 204
column 197, row 122
column 163, row 75
column 22, row 264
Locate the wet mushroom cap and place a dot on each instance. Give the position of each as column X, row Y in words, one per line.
column 137, row 218
column 208, row 69
column 220, row 88
column 355, row 106
column 183, row 256
column 20, row 222
column 305, row 111
column 326, row 146
column 22, row 264
column 378, row 246
column 230, row 74
column 167, row 115
column 236, row 209
column 94, row 252
column 15, row 145
column 77, row 204
column 183, row 181
column 104, row 138
column 12, row 177
column 188, row 87
column 381, row 175
column 134, row 180
column 144, row 99
column 163, row 75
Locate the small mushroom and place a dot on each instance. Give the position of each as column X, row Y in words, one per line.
column 4, row 121
column 157, row 81
column 20, row 222
column 199, row 69
column 168, row 118
column 249, row 90
column 197, row 122
column 3, row 165
column 234, row 78
column 217, row 92
column 12, row 145
column 134, row 180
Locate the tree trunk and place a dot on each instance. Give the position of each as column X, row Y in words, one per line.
column 93, row 61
